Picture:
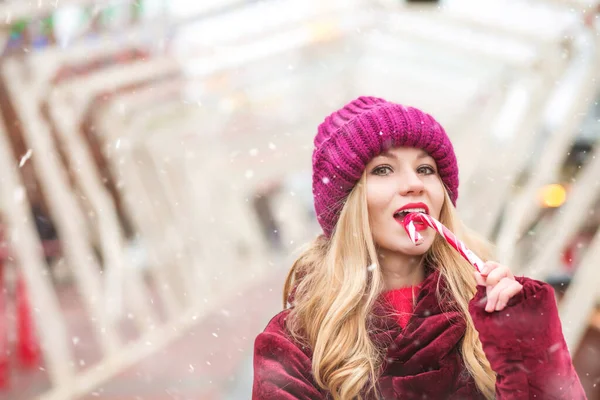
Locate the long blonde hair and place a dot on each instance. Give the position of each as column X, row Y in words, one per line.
column 334, row 293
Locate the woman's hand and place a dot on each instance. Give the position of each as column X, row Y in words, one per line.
column 500, row 283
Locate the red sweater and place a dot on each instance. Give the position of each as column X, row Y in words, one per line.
column 403, row 302
column 524, row 345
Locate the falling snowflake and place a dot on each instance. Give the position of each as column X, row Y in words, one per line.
column 26, row 157
column 249, row 174
column 372, row 267
column 325, row 180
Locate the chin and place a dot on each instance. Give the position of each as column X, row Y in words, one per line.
column 396, row 240
column 413, row 250
column 405, row 246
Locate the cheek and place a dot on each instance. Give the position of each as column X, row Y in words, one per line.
column 371, row 197
column 437, row 199
column 377, row 199
column 374, row 214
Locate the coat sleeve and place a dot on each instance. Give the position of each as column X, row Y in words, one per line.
column 281, row 369
column 525, row 345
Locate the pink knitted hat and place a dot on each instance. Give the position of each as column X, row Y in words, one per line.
column 351, row 137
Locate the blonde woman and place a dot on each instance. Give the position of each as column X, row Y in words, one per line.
column 369, row 315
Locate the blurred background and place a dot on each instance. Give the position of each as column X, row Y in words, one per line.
column 155, row 179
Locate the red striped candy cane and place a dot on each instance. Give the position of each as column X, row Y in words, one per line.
column 416, row 238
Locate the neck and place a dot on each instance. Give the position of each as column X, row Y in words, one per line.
column 400, row 270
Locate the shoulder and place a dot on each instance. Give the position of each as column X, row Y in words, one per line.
column 277, row 323
column 276, row 338
column 276, row 350
column 282, row 369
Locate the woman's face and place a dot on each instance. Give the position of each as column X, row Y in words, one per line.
column 402, row 178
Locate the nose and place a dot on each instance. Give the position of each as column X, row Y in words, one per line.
column 410, row 184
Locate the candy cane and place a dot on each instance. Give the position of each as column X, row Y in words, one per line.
column 416, row 238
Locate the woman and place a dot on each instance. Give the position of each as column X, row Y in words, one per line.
column 372, row 316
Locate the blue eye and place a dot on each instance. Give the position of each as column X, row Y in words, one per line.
column 426, row 170
column 382, row 170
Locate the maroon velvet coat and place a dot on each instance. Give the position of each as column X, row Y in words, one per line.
column 523, row 343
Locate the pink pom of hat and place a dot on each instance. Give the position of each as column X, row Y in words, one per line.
column 364, row 128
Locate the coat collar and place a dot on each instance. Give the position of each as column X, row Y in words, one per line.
column 433, row 319
column 429, row 345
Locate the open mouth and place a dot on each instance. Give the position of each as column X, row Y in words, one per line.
column 411, row 208
column 402, row 212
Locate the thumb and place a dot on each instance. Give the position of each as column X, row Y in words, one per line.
column 479, row 279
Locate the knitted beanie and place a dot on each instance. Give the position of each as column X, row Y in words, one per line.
column 366, row 127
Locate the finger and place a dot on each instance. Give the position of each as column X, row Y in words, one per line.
column 488, row 267
column 503, row 298
column 479, row 279
column 494, row 291
column 499, row 273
